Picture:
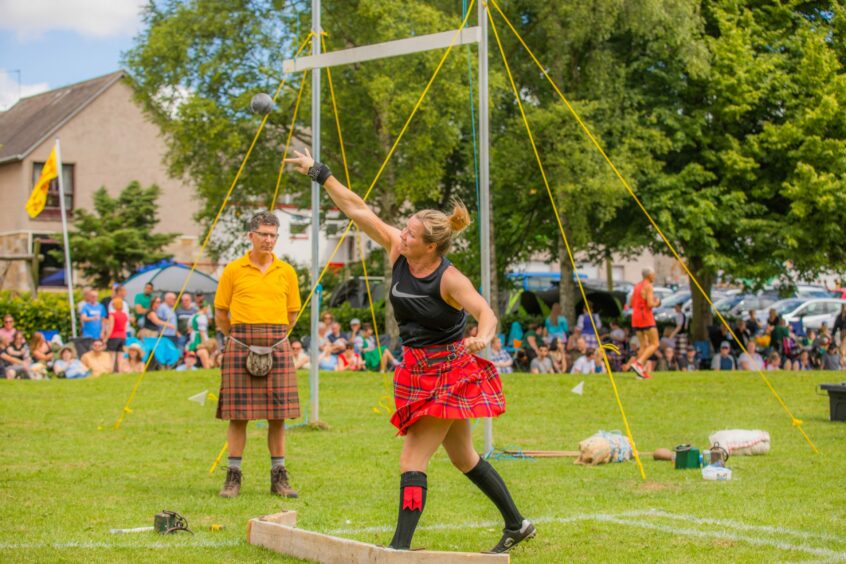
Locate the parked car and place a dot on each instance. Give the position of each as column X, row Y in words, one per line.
column 735, row 306
column 811, row 312
column 354, row 291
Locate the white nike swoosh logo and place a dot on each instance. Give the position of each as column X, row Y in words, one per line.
column 397, row 294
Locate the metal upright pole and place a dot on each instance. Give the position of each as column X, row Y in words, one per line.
column 314, row 376
column 68, row 266
column 484, row 180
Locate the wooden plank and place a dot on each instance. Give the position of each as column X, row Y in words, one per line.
column 287, row 518
column 327, row 549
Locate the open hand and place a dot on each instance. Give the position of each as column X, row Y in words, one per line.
column 302, row 162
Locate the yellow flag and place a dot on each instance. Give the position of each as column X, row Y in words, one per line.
column 38, row 198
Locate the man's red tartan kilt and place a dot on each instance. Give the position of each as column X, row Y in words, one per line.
column 244, row 397
column 445, row 381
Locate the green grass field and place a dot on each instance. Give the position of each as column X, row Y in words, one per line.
column 67, row 477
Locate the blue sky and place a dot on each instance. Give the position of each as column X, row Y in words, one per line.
column 57, row 42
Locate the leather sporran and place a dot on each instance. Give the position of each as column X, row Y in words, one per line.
column 260, row 361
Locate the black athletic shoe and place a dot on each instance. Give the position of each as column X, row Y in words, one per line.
column 512, row 537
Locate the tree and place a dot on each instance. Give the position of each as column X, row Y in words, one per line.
column 217, row 56
column 609, row 58
column 752, row 186
column 118, row 237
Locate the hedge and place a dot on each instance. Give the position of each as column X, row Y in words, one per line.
column 48, row 311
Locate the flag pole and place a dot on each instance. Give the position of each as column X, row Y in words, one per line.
column 68, row 267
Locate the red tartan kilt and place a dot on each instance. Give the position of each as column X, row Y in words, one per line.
column 449, row 384
column 244, row 397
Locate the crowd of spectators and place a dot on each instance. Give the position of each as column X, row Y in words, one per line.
column 115, row 338
column 774, row 344
column 353, row 350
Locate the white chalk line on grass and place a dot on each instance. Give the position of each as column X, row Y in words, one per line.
column 625, row 518
column 729, row 536
column 99, row 545
column 730, row 523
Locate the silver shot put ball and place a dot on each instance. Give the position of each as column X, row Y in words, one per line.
column 261, row 104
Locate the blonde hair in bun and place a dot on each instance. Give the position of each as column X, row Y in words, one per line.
column 440, row 228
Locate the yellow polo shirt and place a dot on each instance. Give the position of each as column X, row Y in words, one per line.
column 254, row 297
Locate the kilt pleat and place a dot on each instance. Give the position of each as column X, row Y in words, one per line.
column 448, row 383
column 244, row 397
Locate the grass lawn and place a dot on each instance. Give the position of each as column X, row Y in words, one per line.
column 68, row 477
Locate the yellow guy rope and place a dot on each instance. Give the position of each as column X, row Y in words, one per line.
column 272, row 205
column 382, row 167
column 387, row 389
column 126, row 408
column 796, row 422
column 567, row 245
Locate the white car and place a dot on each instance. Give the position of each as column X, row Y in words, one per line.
column 811, row 312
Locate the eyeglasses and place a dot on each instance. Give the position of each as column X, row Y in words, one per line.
column 268, row 236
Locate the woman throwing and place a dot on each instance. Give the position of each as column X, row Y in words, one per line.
column 440, row 385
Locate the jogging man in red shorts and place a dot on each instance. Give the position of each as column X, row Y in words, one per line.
column 643, row 322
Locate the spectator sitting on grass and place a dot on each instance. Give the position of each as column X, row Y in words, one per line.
column 542, row 364
column 8, row 329
column 301, row 359
column 668, row 340
column 751, row 360
column 691, row 361
column 209, row 353
column 753, row 324
column 337, row 337
column 559, row 357
column 724, row 360
column 41, row 351
column 500, row 358
column 134, row 360
column 355, row 329
column 831, row 359
column 804, row 362
column 12, row 366
column 19, row 357
column 669, row 362
column 588, row 364
column 350, row 360
column 327, row 360
column 68, row 366
column 774, row 361
column 531, row 341
column 198, row 330
column 189, row 362
column 98, row 360
column 579, row 348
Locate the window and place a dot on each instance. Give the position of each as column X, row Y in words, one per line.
column 52, row 209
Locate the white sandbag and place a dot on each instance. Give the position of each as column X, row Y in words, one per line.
column 739, row 442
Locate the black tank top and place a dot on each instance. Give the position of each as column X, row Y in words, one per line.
column 423, row 316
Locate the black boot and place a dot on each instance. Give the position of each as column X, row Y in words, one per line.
column 412, row 501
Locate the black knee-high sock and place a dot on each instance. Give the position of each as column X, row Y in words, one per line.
column 490, row 482
column 412, row 501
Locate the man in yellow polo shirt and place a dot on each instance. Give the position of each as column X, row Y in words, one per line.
column 257, row 300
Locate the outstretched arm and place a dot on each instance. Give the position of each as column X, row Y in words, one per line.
column 352, row 205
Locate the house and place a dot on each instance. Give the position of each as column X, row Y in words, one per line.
column 106, row 140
